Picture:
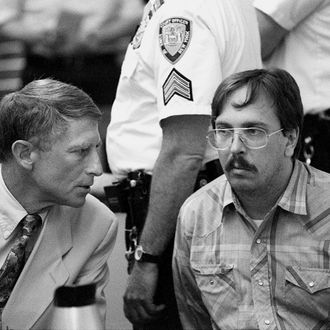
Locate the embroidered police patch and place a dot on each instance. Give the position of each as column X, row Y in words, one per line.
column 177, row 84
column 174, row 37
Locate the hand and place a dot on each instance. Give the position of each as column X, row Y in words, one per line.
column 138, row 298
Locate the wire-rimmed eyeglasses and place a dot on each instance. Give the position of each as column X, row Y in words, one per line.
column 252, row 137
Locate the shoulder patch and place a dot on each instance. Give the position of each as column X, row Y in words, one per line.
column 177, row 84
column 174, row 37
column 149, row 10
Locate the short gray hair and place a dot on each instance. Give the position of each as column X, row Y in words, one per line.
column 41, row 109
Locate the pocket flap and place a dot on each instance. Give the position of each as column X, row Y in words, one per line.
column 309, row 279
column 209, row 269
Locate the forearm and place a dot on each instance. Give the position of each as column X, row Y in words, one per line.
column 119, row 26
column 173, row 177
column 173, row 181
column 271, row 34
column 110, row 32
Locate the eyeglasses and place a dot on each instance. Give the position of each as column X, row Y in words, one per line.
column 252, row 137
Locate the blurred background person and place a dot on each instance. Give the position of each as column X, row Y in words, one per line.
column 11, row 59
column 11, row 65
column 57, row 42
column 295, row 36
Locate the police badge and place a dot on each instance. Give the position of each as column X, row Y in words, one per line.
column 174, row 37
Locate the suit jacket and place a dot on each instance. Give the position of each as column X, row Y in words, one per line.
column 73, row 248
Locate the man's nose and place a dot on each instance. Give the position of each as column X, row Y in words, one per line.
column 237, row 144
column 95, row 166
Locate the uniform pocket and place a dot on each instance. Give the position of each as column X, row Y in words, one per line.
column 307, row 290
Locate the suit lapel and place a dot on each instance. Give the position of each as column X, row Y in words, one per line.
column 42, row 274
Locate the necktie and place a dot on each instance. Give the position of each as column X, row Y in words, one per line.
column 15, row 260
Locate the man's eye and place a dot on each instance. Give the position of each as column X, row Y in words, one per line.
column 224, row 133
column 83, row 151
column 253, row 132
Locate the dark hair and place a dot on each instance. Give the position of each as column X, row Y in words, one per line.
column 275, row 83
column 41, row 109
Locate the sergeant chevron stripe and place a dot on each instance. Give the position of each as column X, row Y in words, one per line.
column 177, row 84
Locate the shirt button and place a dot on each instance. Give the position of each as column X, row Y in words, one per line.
column 267, row 322
column 261, row 283
column 311, row 284
column 211, row 282
column 258, row 241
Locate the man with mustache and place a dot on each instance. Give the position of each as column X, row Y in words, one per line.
column 252, row 247
column 52, row 232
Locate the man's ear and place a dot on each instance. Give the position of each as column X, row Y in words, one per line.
column 25, row 153
column 291, row 144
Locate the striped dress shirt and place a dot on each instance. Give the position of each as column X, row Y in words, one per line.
column 231, row 274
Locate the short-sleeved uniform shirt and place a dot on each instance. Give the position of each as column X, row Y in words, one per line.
column 181, row 52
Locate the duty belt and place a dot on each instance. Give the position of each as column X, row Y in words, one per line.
column 131, row 196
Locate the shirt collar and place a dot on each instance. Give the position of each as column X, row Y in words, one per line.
column 228, row 196
column 11, row 211
column 294, row 197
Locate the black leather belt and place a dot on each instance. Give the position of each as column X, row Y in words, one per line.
column 140, row 181
column 117, row 194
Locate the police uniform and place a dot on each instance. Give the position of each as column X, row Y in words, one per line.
column 180, row 53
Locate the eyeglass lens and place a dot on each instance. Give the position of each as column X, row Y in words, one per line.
column 251, row 137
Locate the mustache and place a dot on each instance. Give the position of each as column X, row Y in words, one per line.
column 239, row 161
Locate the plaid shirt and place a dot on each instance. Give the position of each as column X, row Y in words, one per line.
column 231, row 274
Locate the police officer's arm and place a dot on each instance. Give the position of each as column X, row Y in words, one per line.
column 271, row 33
column 174, row 175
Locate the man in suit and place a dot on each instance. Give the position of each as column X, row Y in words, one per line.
column 49, row 143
